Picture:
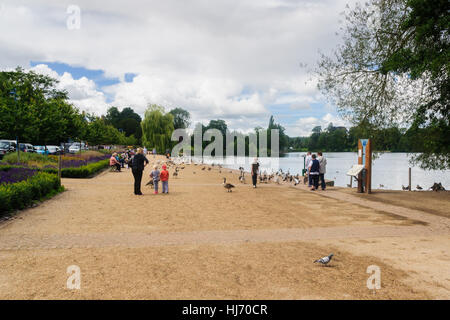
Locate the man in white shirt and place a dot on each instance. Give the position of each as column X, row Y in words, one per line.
column 307, row 164
column 323, row 169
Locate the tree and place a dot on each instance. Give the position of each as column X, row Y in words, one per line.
column 127, row 121
column 283, row 138
column 220, row 125
column 181, row 118
column 392, row 69
column 34, row 110
column 157, row 128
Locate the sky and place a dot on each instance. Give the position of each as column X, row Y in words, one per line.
column 240, row 61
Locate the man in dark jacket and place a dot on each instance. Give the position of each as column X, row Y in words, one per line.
column 314, row 171
column 138, row 165
column 255, row 170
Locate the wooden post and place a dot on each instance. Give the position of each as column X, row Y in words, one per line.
column 409, row 179
column 360, row 161
column 369, row 166
column 59, row 167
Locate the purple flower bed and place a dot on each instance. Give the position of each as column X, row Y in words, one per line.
column 79, row 163
column 14, row 175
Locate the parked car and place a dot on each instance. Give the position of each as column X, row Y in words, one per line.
column 75, row 147
column 26, row 147
column 7, row 146
column 41, row 150
column 53, row 149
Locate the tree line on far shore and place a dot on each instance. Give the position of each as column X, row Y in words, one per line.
column 341, row 139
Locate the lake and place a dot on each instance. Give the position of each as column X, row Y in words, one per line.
column 389, row 170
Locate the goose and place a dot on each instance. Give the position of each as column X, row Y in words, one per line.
column 175, row 174
column 419, row 187
column 405, row 188
column 227, row 186
column 305, row 179
column 296, row 181
column 242, row 178
column 209, row 169
column 150, row 183
column 203, row 168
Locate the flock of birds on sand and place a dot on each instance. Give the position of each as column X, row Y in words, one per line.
column 275, row 177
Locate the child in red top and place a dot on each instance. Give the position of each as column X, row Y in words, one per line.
column 164, row 176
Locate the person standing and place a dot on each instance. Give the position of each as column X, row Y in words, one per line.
column 314, row 171
column 164, row 176
column 145, row 151
column 255, row 170
column 307, row 164
column 138, row 165
column 155, row 175
column 322, row 170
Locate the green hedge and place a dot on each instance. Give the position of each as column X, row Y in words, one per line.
column 85, row 171
column 22, row 194
column 80, row 172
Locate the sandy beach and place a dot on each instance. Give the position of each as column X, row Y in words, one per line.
column 200, row 242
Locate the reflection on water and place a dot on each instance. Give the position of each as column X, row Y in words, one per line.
column 389, row 170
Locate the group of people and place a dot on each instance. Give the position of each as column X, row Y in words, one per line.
column 119, row 160
column 316, row 168
column 137, row 161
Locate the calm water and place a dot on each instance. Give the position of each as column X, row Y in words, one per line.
column 390, row 169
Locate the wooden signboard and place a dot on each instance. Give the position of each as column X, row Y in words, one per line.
column 365, row 159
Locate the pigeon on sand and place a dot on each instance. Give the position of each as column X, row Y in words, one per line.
column 325, row 260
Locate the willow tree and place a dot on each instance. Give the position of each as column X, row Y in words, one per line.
column 391, row 70
column 157, row 128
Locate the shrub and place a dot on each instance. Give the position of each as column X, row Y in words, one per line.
column 83, row 171
column 27, row 157
column 17, row 196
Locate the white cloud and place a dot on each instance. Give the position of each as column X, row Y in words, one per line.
column 304, row 126
column 231, row 59
column 82, row 92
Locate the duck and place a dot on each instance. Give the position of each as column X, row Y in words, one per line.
column 419, row 187
column 405, row 188
column 227, row 186
column 175, row 174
